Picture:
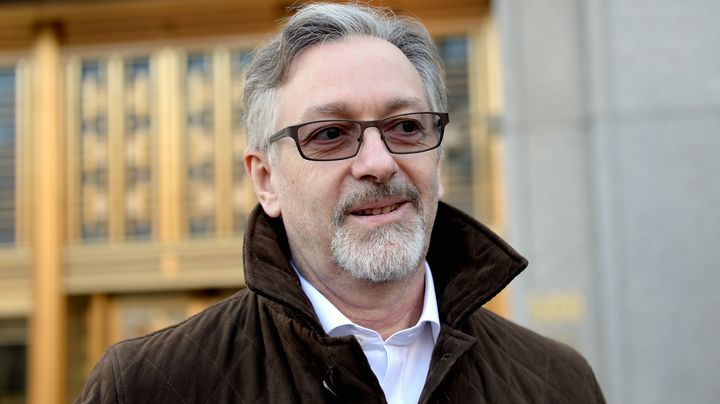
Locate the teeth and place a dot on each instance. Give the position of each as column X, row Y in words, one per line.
column 378, row 211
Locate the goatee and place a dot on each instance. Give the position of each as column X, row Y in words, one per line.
column 386, row 253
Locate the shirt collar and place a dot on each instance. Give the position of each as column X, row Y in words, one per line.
column 335, row 323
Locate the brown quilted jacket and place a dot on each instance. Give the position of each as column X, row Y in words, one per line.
column 265, row 344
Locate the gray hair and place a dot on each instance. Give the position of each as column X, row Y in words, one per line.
column 322, row 22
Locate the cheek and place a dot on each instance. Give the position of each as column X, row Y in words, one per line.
column 430, row 182
column 438, row 182
column 309, row 195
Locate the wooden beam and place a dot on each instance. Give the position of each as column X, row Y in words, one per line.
column 101, row 22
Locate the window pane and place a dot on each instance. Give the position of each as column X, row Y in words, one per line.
column 200, row 174
column 241, row 207
column 94, row 151
column 13, row 359
column 458, row 167
column 7, row 155
column 139, row 147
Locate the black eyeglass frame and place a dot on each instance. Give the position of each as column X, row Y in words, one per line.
column 292, row 132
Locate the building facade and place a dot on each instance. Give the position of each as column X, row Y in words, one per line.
column 611, row 122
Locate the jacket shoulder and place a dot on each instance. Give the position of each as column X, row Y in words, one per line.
column 536, row 368
column 167, row 363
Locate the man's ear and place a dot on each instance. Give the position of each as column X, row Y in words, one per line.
column 260, row 173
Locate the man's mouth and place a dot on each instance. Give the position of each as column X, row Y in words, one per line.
column 377, row 211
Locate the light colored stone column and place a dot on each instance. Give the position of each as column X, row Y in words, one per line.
column 47, row 324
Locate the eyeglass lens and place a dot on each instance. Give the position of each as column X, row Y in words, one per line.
column 330, row 140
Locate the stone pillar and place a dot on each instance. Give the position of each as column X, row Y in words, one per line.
column 47, row 324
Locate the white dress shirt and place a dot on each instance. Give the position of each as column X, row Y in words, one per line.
column 401, row 362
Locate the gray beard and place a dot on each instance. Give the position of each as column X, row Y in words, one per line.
column 387, row 253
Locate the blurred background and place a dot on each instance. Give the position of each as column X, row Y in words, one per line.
column 585, row 132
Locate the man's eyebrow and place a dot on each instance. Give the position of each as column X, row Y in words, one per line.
column 340, row 109
column 414, row 103
column 330, row 109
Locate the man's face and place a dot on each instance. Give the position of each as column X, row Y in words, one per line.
column 371, row 215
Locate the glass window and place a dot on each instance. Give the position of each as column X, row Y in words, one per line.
column 458, row 166
column 94, row 199
column 106, row 209
column 7, row 155
column 139, row 148
column 241, row 190
column 200, row 145
column 13, row 355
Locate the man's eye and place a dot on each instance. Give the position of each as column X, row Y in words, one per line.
column 326, row 134
column 405, row 127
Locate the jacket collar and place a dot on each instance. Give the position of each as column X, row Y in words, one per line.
column 470, row 264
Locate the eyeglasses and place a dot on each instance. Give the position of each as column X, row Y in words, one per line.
column 338, row 139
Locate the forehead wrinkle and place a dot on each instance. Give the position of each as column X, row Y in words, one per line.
column 340, row 109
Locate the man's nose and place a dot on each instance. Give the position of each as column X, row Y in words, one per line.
column 374, row 161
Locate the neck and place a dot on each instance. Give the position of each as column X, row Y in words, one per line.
column 385, row 307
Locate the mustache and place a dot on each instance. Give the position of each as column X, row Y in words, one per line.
column 369, row 192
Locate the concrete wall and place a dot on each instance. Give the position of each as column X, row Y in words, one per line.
column 612, row 128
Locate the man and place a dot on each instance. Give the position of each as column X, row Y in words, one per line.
column 362, row 286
